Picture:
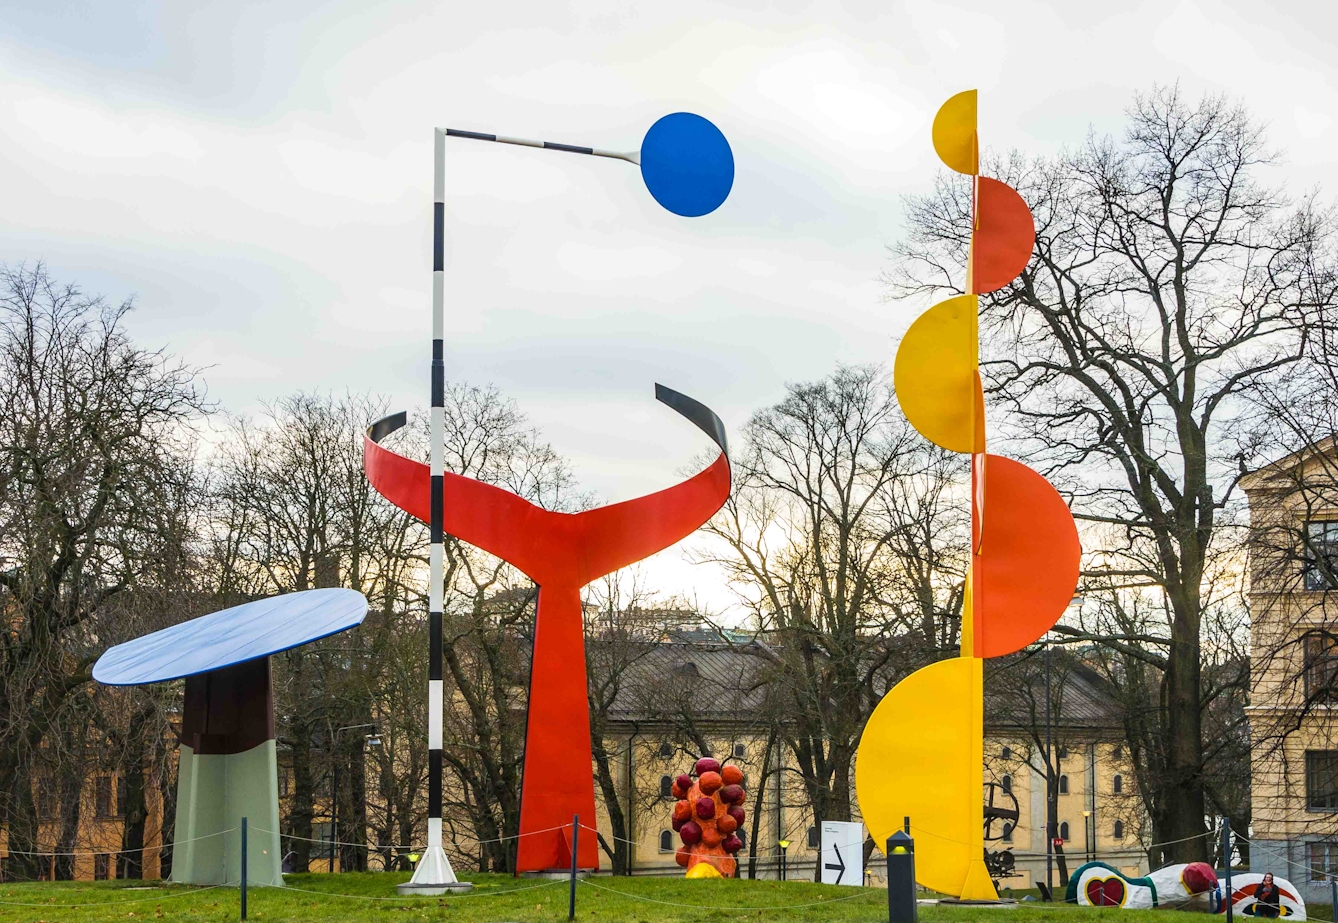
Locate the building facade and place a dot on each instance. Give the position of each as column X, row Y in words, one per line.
column 1293, row 709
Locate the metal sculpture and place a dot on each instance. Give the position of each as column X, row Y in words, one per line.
column 921, row 753
column 688, row 167
column 228, row 767
column 708, row 812
column 561, row 552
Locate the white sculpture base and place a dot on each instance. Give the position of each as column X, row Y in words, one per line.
column 434, row 876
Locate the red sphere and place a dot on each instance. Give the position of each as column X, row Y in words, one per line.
column 706, row 808
column 677, row 824
column 709, row 782
column 690, row 833
column 732, row 794
column 681, row 857
column 684, row 781
column 737, row 813
column 732, row 844
column 705, row 765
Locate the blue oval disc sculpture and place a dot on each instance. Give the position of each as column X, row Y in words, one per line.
column 231, row 636
column 687, row 164
column 228, row 769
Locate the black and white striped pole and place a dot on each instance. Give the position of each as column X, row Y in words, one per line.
column 688, row 167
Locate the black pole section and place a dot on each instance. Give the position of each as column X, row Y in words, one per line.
column 244, row 838
column 575, row 834
column 1333, row 895
column 1049, row 786
column 900, row 852
column 334, row 806
column 1226, row 864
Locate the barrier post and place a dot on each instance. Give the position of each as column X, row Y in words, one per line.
column 1226, row 864
column 571, row 898
column 1333, row 896
column 900, row 852
column 244, row 868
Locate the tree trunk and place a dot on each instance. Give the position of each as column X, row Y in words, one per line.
column 613, row 804
column 300, row 817
column 130, row 863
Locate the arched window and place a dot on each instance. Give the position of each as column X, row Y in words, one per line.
column 666, row 786
column 1006, row 753
column 1064, row 787
column 743, row 838
column 666, row 750
column 1006, row 783
column 1119, row 753
column 1118, row 784
column 1008, row 833
column 666, row 841
column 1119, row 829
column 812, row 837
column 740, row 751
column 1064, row 831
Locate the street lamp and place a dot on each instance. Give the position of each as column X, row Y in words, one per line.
column 334, row 784
column 1088, row 845
column 784, row 845
column 688, row 167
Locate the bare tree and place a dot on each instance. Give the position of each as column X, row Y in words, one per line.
column 1168, row 286
column 94, row 437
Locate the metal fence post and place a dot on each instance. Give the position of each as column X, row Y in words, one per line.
column 575, row 834
column 1333, row 896
column 244, row 868
column 1226, row 864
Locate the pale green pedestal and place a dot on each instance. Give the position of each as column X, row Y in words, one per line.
column 214, row 793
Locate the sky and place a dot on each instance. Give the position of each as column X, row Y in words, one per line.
column 258, row 177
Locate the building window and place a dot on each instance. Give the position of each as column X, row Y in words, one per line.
column 666, row 786
column 1008, row 833
column 1321, row 780
column 1119, row 753
column 812, row 837
column 46, row 800
column 1062, row 752
column 666, row 750
column 1064, row 787
column 103, row 797
column 740, row 751
column 743, row 838
column 1119, row 829
column 1006, row 783
column 666, row 841
column 1117, row 784
column 1323, row 861
column 283, row 783
column 1321, row 539
column 100, row 865
column 1006, row 753
column 1064, row 831
column 1321, row 665
column 121, row 797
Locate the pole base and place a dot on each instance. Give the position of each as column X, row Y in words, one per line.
column 1005, row 904
column 434, row 876
column 555, row 874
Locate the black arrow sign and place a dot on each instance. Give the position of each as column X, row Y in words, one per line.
column 840, row 866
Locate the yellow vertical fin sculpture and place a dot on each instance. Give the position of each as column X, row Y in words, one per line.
column 922, row 752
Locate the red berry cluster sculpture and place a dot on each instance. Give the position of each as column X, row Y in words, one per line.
column 707, row 814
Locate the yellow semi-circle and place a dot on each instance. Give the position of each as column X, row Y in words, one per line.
column 935, row 374
column 955, row 138
column 920, row 757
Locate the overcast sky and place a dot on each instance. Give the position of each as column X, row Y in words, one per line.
column 258, row 176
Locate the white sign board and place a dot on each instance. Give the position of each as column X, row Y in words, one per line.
column 842, row 853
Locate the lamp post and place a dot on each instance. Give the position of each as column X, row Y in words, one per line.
column 334, row 785
column 688, row 167
column 784, row 845
column 1087, row 845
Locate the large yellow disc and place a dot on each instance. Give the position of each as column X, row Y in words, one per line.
column 935, row 374
column 955, row 133
column 921, row 757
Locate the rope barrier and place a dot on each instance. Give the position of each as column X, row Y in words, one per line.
column 121, row 852
column 652, row 900
column 372, row 897
column 53, row 905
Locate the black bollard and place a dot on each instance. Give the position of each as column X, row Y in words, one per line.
column 901, row 906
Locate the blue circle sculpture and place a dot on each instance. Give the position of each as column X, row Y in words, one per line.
column 687, row 164
column 231, row 636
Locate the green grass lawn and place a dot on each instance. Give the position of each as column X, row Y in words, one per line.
column 494, row 898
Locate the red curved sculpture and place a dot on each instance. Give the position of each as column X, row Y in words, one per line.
column 561, row 552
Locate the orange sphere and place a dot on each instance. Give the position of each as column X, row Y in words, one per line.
column 681, row 857
column 709, row 782
column 710, row 837
column 732, row 775
column 682, row 810
column 726, row 824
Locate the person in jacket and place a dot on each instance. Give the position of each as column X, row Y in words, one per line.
column 1267, row 898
